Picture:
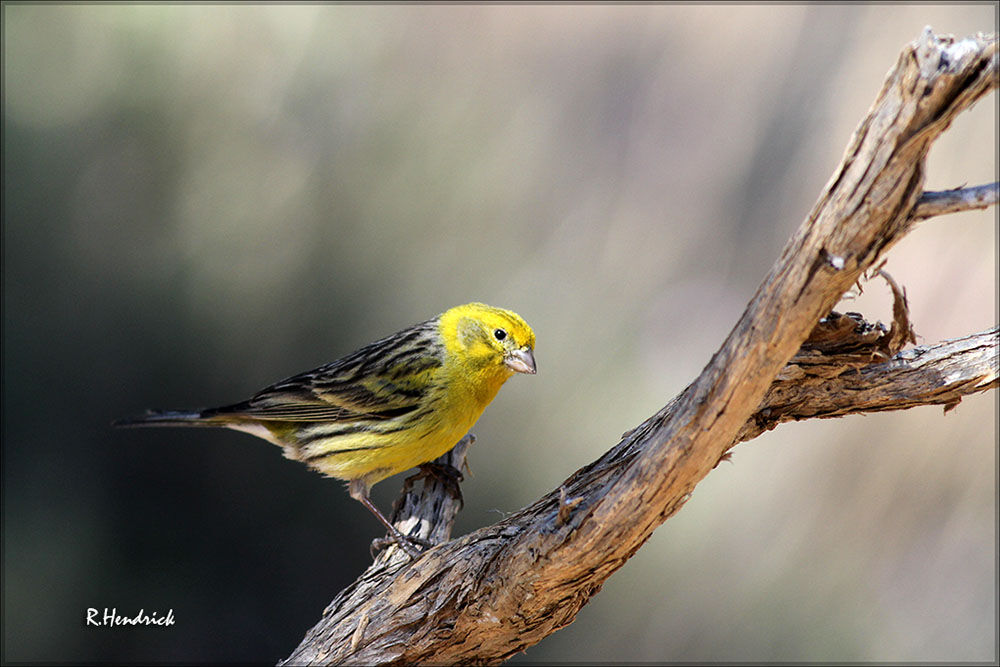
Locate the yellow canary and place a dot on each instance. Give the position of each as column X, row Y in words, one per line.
column 394, row 404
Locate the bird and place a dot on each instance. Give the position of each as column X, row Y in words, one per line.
column 394, row 404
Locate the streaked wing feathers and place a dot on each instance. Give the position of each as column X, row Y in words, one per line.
column 383, row 380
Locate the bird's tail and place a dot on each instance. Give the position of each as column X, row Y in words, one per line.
column 168, row 418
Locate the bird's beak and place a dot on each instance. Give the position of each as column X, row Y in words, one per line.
column 521, row 361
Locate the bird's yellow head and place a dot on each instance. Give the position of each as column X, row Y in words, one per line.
column 489, row 340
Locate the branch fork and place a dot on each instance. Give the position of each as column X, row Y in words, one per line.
column 492, row 593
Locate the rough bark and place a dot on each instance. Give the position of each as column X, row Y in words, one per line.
column 850, row 366
column 485, row 596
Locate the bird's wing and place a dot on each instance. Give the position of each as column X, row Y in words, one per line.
column 383, row 380
column 346, row 403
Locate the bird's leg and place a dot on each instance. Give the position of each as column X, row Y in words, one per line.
column 359, row 491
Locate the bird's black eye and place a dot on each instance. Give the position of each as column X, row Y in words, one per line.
column 499, row 334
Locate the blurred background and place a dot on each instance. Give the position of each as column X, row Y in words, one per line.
column 201, row 200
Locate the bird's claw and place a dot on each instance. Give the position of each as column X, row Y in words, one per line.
column 410, row 545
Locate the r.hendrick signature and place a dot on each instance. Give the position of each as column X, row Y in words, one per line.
column 111, row 618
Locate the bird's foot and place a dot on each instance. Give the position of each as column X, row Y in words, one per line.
column 411, row 546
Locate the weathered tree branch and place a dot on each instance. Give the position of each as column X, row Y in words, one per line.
column 954, row 201
column 488, row 595
column 940, row 374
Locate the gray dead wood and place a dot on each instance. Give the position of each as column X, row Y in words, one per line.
column 487, row 595
column 953, row 201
